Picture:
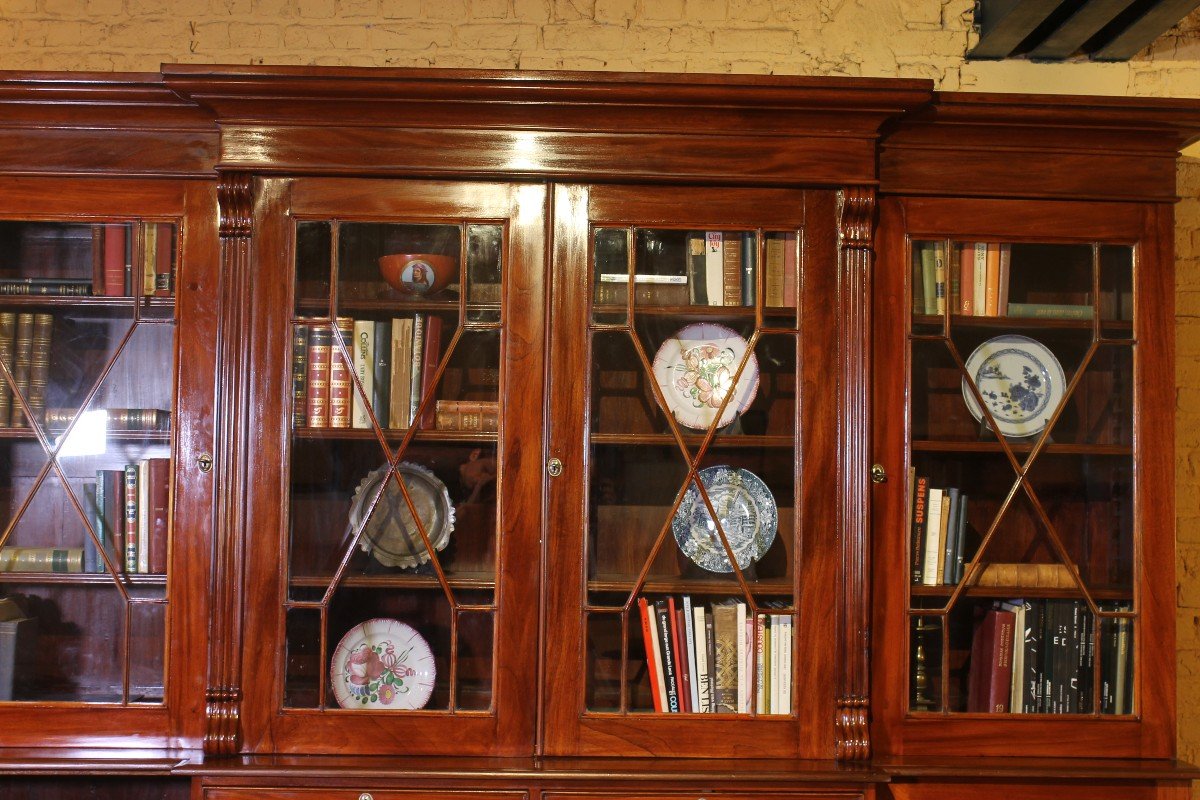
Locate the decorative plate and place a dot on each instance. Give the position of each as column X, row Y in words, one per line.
column 1020, row 380
column 746, row 510
column 695, row 370
column 382, row 664
column 391, row 535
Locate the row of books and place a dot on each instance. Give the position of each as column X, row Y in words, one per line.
column 716, row 659
column 127, row 259
column 394, row 361
column 1039, row 657
column 130, row 510
column 25, row 354
column 939, row 532
column 976, row 284
column 721, row 270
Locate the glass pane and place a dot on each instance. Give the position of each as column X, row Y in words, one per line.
column 1116, row 648
column 1116, row 291
column 147, row 646
column 476, row 635
column 485, row 252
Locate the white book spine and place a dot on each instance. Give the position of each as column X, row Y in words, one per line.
column 933, row 538
column 689, row 633
column 979, row 279
column 776, row 664
column 743, row 671
column 660, row 673
column 760, row 667
column 785, row 667
column 364, row 368
column 714, row 266
column 703, row 688
column 418, row 356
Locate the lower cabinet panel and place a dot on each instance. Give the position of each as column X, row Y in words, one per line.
column 699, row 795
column 351, row 793
column 1025, row 791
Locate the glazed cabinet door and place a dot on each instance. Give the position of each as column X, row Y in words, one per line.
column 394, row 560
column 690, row 578
column 107, row 318
column 1025, row 554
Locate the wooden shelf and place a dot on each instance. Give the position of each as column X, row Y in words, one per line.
column 1034, row 323
column 81, row 578
column 321, row 307
column 694, row 311
column 934, row 446
column 86, row 301
column 395, row 434
column 775, row 587
column 692, row 440
column 470, row 580
column 1018, row 591
column 117, row 436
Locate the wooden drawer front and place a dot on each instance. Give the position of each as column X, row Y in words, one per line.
column 364, row 792
column 1022, row 791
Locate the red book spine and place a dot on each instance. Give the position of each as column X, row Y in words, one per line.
column 990, row 679
column 652, row 666
column 429, row 365
column 340, row 382
column 159, row 495
column 114, row 261
column 319, row 339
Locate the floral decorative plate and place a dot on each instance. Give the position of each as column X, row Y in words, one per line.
column 746, row 510
column 390, row 535
column 695, row 369
column 1020, row 380
column 382, row 664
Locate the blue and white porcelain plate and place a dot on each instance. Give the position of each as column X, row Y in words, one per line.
column 748, row 515
column 1020, row 380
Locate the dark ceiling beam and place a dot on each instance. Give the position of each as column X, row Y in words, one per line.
column 1086, row 21
column 1004, row 24
column 1145, row 29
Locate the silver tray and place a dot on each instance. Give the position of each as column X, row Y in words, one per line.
column 390, row 535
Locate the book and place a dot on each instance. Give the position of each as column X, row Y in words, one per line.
column 430, row 361
column 928, row 278
column 939, row 278
column 381, row 383
column 785, row 664
column 667, row 651
column 8, row 332
column 110, row 505
column 317, row 389
column 130, row 537
column 340, row 371
column 790, row 271
column 991, row 291
column 39, row 368
column 979, row 273
column 143, row 518
column 714, row 255
column 710, row 658
column 91, row 553
column 933, row 541
column 1016, row 703
column 480, row 416
column 960, row 538
column 731, row 269
column 653, row 667
column 1002, row 280
column 164, row 263
column 774, row 267
column 149, row 258
column 364, row 370
column 416, row 369
column 953, row 279
column 749, row 268
column 696, row 275
column 1026, row 576
column 1031, row 689
column 917, row 528
column 117, row 419
column 41, row 559
column 703, row 673
column 649, row 289
column 41, row 287
column 678, row 643
column 726, row 636
column 114, row 240
column 1123, row 673
column 990, row 672
column 1050, row 311
column 158, row 511
column 22, row 362
column 943, row 535
column 401, row 377
column 950, row 511
column 762, row 676
column 966, row 280
column 744, row 648
column 300, row 375
column 689, row 634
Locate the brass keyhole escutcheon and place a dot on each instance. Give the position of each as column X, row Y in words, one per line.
column 555, row 467
column 205, row 462
column 878, row 473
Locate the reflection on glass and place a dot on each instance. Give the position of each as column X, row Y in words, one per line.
column 484, row 258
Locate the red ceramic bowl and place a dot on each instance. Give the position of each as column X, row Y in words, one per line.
column 418, row 273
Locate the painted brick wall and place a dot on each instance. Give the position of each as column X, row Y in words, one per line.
column 908, row 38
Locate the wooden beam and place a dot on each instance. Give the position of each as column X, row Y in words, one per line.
column 1135, row 37
column 1004, row 24
column 1077, row 29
